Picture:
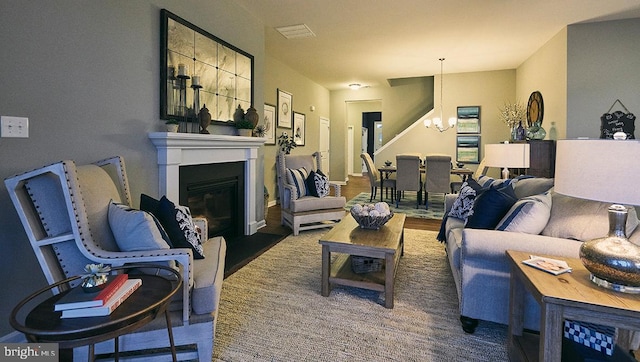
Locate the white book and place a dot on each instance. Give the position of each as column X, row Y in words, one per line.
column 120, row 296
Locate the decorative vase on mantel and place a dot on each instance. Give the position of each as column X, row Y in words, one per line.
column 252, row 116
column 204, row 118
column 245, row 132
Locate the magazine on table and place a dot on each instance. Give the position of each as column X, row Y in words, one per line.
column 553, row 266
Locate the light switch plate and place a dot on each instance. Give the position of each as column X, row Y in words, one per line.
column 14, row 127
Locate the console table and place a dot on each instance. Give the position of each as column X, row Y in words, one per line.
column 43, row 324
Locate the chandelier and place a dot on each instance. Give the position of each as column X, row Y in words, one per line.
column 437, row 121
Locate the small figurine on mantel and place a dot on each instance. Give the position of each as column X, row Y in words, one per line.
column 205, row 119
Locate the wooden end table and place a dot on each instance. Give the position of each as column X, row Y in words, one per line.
column 349, row 239
column 565, row 296
column 43, row 324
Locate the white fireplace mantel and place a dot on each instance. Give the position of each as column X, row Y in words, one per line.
column 184, row 149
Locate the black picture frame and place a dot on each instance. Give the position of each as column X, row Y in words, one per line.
column 285, row 109
column 226, row 73
column 269, row 122
column 468, row 120
column 468, row 149
column 299, row 130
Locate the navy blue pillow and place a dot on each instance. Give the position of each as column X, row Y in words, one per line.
column 491, row 206
column 174, row 220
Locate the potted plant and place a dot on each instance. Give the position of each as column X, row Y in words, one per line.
column 245, row 127
column 172, row 125
column 286, row 143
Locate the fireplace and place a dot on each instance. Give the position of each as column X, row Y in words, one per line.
column 177, row 151
column 214, row 191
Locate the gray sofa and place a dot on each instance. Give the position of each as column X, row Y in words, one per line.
column 477, row 256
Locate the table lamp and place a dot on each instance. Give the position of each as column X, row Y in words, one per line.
column 507, row 155
column 608, row 171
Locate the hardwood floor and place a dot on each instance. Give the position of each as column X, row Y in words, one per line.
column 356, row 185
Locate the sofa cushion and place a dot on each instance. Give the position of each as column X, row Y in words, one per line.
column 136, row 230
column 462, row 207
column 317, row 184
column 487, row 181
column 176, row 221
column 528, row 186
column 310, row 203
column 298, row 178
column 491, row 206
column 528, row 215
column 579, row 219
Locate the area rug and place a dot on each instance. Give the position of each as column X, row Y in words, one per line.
column 407, row 205
column 272, row 310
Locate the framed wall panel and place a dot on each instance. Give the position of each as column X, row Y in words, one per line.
column 190, row 59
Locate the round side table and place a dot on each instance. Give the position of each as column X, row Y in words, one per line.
column 43, row 324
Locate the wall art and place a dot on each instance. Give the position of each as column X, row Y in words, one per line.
column 285, row 109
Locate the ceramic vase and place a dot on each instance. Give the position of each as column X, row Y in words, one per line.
column 204, row 117
column 252, row 116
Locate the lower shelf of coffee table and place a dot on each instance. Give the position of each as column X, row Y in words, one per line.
column 342, row 274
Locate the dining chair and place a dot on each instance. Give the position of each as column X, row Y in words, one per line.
column 408, row 176
column 480, row 171
column 376, row 180
column 438, row 175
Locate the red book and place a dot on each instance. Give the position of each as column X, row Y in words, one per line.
column 78, row 298
column 130, row 286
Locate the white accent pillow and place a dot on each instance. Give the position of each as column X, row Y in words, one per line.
column 528, row 215
column 135, row 230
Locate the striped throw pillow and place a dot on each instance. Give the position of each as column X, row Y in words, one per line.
column 298, row 177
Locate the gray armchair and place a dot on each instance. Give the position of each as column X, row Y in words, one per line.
column 375, row 179
column 408, row 176
column 64, row 211
column 301, row 211
column 438, row 175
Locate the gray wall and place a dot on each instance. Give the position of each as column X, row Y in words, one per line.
column 86, row 73
column 603, row 64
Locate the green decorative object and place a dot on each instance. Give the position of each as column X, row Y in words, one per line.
column 536, row 132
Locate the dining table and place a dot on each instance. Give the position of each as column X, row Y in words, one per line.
column 387, row 170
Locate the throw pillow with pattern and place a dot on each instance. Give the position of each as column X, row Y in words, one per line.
column 298, row 178
column 318, row 184
column 462, row 206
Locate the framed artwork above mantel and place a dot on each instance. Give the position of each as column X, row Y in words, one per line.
column 198, row 69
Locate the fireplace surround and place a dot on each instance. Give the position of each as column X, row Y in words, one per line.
column 186, row 149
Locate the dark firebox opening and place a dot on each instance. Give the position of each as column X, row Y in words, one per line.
column 216, row 192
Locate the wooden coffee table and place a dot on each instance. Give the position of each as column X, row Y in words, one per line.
column 565, row 296
column 347, row 238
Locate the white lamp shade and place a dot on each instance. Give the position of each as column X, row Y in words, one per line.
column 513, row 155
column 600, row 169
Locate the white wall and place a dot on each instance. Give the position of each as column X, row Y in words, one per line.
column 546, row 71
column 603, row 64
column 86, row 73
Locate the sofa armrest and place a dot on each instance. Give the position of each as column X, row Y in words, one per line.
column 448, row 202
column 490, row 245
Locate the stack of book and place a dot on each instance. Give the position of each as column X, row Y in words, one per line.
column 78, row 303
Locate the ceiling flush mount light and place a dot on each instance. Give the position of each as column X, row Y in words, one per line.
column 355, row 86
column 437, row 121
column 296, row 31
